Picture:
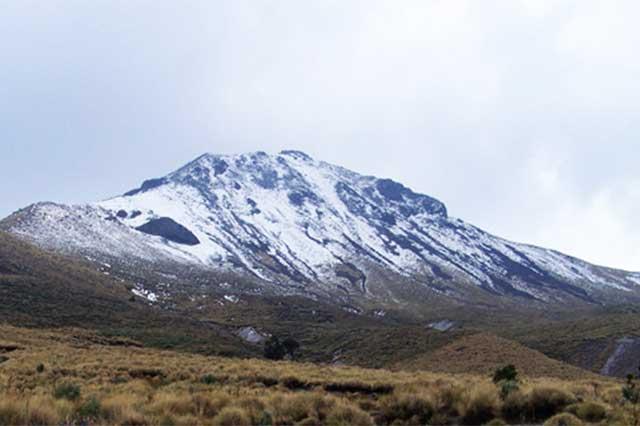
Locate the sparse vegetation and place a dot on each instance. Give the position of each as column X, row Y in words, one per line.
column 98, row 384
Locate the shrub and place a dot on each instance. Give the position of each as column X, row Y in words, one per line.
column 291, row 346
column 208, row 379
column 348, row 415
column 90, row 408
column 232, row 416
column 266, row 419
column 415, row 409
column 544, row 402
column 507, row 387
column 40, row 368
column 274, row 349
column 507, row 373
column 564, row 419
column 591, row 412
column 67, row 391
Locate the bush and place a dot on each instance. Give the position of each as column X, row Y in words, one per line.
column 507, row 373
column 591, row 412
column 348, row 415
column 208, row 379
column 414, row 409
column 564, row 419
column 90, row 408
column 67, row 391
column 266, row 419
column 291, row 346
column 232, row 416
column 545, row 402
column 40, row 368
column 274, row 349
column 507, row 387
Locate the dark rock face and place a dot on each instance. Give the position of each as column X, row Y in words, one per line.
column 122, row 214
column 147, row 185
column 219, row 167
column 171, row 230
column 298, row 197
column 411, row 203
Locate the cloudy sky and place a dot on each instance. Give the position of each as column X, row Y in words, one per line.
column 521, row 115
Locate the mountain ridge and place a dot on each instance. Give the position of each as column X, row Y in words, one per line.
column 298, row 225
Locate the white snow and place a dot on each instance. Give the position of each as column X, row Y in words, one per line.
column 310, row 239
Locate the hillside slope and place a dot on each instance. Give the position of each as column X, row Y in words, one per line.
column 483, row 353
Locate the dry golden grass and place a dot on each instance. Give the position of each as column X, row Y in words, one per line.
column 139, row 386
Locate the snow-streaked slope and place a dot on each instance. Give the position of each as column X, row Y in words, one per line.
column 290, row 219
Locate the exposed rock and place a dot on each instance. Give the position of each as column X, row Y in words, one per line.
column 251, row 335
column 171, row 230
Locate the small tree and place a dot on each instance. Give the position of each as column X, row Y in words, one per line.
column 291, row 346
column 274, row 349
column 506, row 373
column 507, row 379
column 631, row 395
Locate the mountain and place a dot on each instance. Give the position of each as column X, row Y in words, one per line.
column 287, row 224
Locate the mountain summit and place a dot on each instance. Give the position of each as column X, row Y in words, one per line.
column 295, row 225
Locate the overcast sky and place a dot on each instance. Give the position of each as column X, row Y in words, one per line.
column 521, row 115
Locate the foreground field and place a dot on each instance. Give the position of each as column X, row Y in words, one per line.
column 75, row 377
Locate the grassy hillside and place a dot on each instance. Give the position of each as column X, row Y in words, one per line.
column 40, row 289
column 74, row 376
column 483, row 353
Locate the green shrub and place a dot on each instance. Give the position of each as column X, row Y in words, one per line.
column 90, row 408
column 274, row 349
column 266, row 419
column 507, row 387
column 40, row 368
column 564, row 419
column 68, row 391
column 208, row 379
column 507, row 373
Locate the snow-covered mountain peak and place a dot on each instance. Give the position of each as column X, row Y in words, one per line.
column 300, row 223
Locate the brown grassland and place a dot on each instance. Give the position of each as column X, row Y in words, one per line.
column 76, row 377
